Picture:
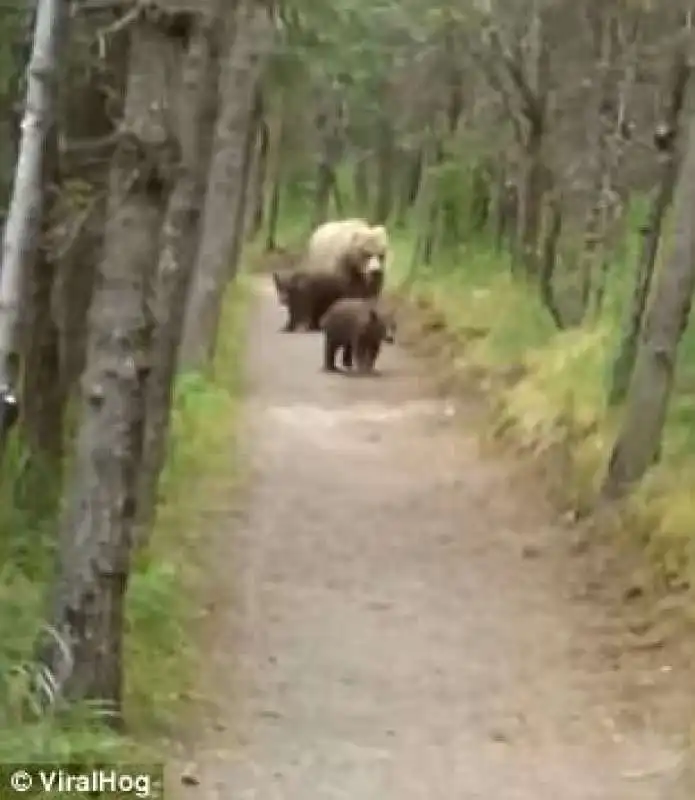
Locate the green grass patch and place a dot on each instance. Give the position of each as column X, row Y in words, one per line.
column 162, row 611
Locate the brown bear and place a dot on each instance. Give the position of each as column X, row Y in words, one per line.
column 307, row 294
column 358, row 327
column 332, row 241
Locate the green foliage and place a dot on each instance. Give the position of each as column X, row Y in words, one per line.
column 160, row 613
column 560, row 400
column 12, row 16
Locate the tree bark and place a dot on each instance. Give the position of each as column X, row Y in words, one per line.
column 639, row 439
column 246, row 55
column 624, row 363
column 330, row 129
column 97, row 527
column 260, row 175
column 43, row 395
column 91, row 104
column 360, row 182
column 180, row 240
column 276, row 185
column 386, row 157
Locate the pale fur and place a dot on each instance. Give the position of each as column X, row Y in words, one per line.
column 332, row 240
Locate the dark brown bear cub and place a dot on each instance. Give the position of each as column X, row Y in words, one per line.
column 357, row 327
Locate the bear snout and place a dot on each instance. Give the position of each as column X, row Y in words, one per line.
column 374, row 265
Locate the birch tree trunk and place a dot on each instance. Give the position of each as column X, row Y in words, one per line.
column 23, row 226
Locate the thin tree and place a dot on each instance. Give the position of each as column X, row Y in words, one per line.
column 639, row 439
column 249, row 39
column 180, row 239
column 23, row 227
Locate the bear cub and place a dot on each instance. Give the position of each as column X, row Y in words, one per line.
column 357, row 327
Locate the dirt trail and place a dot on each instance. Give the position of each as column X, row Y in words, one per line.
column 380, row 631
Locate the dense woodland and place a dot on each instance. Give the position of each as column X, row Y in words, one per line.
column 534, row 164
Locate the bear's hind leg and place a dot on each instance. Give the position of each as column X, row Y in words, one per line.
column 329, row 352
column 361, row 357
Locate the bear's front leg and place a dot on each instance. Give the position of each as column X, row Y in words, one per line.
column 290, row 325
column 347, row 356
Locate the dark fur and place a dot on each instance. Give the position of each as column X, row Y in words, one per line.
column 352, row 267
column 357, row 327
column 309, row 295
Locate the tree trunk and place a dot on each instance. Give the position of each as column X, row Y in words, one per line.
column 385, row 168
column 257, row 203
column 252, row 128
column 329, row 125
column 97, row 527
column 43, row 396
column 411, row 182
column 91, row 102
column 276, row 187
column 361, row 183
column 624, row 363
column 530, row 199
column 273, row 213
column 180, row 240
column 325, row 177
column 639, row 439
column 247, row 52
column 25, row 215
column 479, row 208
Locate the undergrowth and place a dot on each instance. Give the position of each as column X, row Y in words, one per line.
column 557, row 397
column 159, row 662
column 548, row 387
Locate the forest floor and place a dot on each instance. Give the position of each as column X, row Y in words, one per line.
column 396, row 613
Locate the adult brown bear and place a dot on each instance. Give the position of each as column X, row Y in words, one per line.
column 308, row 294
column 358, row 327
column 353, row 239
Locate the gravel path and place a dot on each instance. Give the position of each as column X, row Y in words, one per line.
column 390, row 620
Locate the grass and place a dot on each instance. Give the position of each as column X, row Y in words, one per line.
column 558, row 398
column 160, row 663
